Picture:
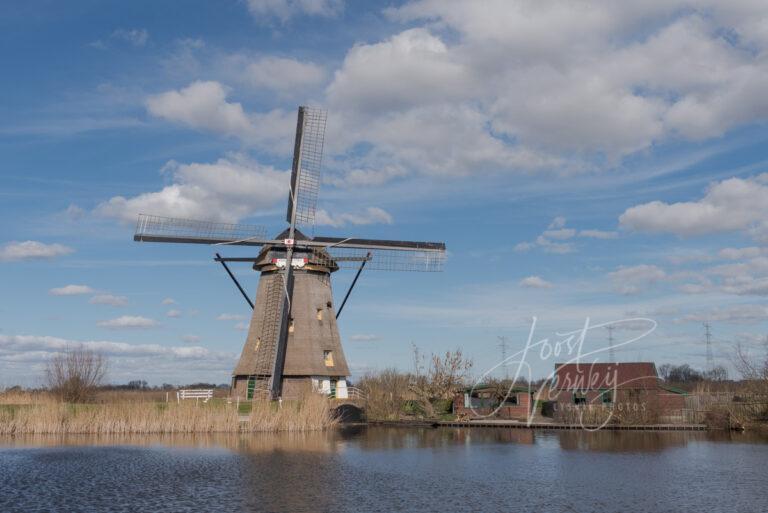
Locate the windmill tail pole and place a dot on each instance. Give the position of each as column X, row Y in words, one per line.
column 226, row 268
column 357, row 275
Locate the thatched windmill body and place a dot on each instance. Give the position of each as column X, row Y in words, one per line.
column 293, row 341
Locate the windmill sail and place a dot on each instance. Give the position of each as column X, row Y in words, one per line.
column 388, row 259
column 383, row 255
column 307, row 160
column 191, row 231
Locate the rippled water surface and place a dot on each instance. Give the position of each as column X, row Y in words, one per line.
column 390, row 469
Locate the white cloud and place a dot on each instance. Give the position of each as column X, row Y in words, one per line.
column 283, row 10
column 74, row 212
column 512, row 86
column 735, row 204
column 745, row 274
column 71, row 290
column 241, row 326
column 535, row 282
column 739, row 253
column 128, row 322
column 204, row 105
column 524, row 246
column 749, row 277
column 560, row 248
column 201, row 105
column 168, row 301
column 136, row 37
column 499, row 86
column 281, row 74
column 32, row 250
column 227, row 190
column 399, row 73
column 598, row 234
column 734, row 314
column 173, row 313
column 109, row 299
column 191, row 339
column 371, row 215
column 635, row 279
column 560, row 233
column 557, row 223
column 557, row 231
column 364, row 338
column 109, row 348
column 230, row 317
column 21, row 355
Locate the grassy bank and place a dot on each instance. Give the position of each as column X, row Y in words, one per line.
column 41, row 414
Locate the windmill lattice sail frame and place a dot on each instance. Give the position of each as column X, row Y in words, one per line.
column 305, row 177
column 173, row 229
column 380, row 255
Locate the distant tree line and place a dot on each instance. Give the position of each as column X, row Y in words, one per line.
column 686, row 374
column 143, row 385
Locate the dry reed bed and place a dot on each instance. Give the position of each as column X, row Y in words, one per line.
column 47, row 416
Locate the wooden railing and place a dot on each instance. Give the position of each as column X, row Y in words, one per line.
column 205, row 395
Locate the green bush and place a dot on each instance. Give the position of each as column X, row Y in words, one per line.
column 442, row 406
column 414, row 408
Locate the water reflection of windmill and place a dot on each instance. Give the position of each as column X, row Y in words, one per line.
column 293, row 340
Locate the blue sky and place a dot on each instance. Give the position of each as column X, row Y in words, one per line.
column 581, row 161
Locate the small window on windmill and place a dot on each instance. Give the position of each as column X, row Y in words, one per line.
column 328, row 304
column 258, row 343
column 290, row 326
column 319, row 314
column 328, row 358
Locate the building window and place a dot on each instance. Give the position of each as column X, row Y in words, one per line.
column 607, row 396
column 579, row 398
column 328, row 358
column 319, row 314
column 511, row 400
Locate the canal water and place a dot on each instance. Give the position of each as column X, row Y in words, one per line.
column 390, row 469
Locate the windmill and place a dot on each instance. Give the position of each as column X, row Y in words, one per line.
column 293, row 340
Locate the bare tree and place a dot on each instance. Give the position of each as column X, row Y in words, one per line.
column 74, row 374
column 440, row 379
column 750, row 367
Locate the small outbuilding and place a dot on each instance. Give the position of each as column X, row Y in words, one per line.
column 493, row 401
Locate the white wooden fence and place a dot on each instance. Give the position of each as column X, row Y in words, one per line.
column 205, row 395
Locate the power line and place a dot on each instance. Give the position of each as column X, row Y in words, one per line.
column 708, row 338
column 611, row 350
column 503, row 347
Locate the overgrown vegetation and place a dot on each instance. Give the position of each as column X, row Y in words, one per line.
column 425, row 393
column 74, row 375
column 43, row 413
column 54, row 417
column 75, row 404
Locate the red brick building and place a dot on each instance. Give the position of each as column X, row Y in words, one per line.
column 632, row 387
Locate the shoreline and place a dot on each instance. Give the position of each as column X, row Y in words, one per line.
column 551, row 426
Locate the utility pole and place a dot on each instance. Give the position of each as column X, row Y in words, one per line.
column 503, row 347
column 708, row 338
column 611, row 351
